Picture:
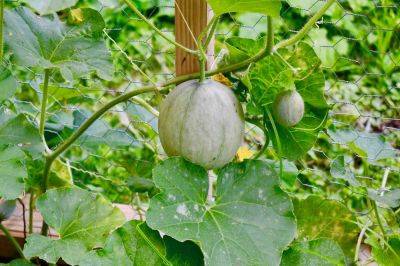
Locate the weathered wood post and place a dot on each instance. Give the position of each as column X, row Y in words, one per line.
column 193, row 14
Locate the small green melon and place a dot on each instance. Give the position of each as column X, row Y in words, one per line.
column 288, row 108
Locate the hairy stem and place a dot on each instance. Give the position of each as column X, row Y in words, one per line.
column 378, row 219
column 44, row 102
column 306, row 28
column 157, row 30
column 1, row 29
column 12, row 240
column 212, row 32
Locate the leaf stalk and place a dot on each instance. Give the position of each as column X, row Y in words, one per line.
column 12, row 240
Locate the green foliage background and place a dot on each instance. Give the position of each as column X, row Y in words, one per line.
column 358, row 43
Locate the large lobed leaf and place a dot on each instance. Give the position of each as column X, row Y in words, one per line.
column 371, row 146
column 12, row 173
column 272, row 75
column 250, row 222
column 46, row 42
column 82, row 219
column 321, row 252
column 137, row 244
column 266, row 7
column 318, row 217
column 45, row 7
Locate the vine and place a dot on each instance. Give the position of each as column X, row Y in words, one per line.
column 268, row 49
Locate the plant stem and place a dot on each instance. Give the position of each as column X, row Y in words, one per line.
column 162, row 34
column 212, row 32
column 44, row 102
column 1, row 29
column 12, row 240
column 359, row 241
column 378, row 219
column 278, row 142
column 306, row 28
column 145, row 105
column 31, row 208
column 203, row 62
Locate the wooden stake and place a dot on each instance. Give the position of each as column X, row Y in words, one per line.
column 193, row 14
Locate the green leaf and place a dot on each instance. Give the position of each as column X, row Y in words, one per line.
column 100, row 132
column 273, row 75
column 390, row 198
column 183, row 253
column 12, row 173
column 321, row 252
column 132, row 244
column 312, row 89
column 266, row 7
column 340, row 171
column 309, row 5
column 82, row 219
column 45, row 7
column 18, row 262
column 342, row 136
column 318, row 217
column 385, row 256
column 137, row 244
column 298, row 140
column 240, row 49
column 8, row 84
column 17, row 130
column 46, row 42
column 250, row 222
column 290, row 172
column 372, row 146
column 268, row 78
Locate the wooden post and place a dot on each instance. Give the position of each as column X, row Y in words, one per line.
column 193, row 14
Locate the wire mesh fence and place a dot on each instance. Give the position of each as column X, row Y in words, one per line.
column 358, row 43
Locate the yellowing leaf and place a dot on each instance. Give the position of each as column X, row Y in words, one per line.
column 76, row 16
column 244, row 153
column 222, row 79
column 63, row 178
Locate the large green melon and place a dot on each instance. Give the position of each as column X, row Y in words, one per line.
column 202, row 122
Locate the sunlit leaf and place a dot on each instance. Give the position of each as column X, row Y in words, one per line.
column 266, row 7
column 385, row 256
column 46, row 42
column 240, row 227
column 318, row 217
